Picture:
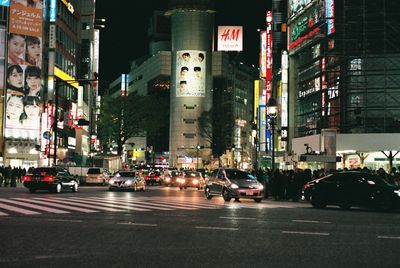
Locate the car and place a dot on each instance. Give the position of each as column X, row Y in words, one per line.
column 53, row 179
column 352, row 188
column 170, row 179
column 95, row 176
column 152, row 177
column 127, row 180
column 191, row 179
column 233, row 183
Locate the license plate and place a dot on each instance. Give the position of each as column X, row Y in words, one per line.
column 249, row 192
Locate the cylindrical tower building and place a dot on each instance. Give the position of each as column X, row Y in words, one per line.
column 192, row 24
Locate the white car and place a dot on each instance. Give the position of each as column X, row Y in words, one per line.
column 127, row 180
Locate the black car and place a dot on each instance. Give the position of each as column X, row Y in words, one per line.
column 233, row 183
column 347, row 189
column 53, row 179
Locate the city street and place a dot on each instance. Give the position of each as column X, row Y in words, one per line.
column 166, row 227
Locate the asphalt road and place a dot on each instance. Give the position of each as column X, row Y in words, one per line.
column 166, row 227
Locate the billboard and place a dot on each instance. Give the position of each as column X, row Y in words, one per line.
column 190, row 73
column 296, row 6
column 330, row 16
column 23, row 73
column 230, row 38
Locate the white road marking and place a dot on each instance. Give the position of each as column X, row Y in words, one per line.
column 19, row 210
column 388, row 237
column 216, row 228
column 310, row 221
column 137, row 224
column 3, row 214
column 51, row 210
column 65, row 201
column 108, row 203
column 49, row 203
column 304, row 233
column 132, row 203
column 238, row 218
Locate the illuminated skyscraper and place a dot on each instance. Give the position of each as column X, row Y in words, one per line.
column 192, row 25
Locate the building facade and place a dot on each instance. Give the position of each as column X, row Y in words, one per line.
column 344, row 76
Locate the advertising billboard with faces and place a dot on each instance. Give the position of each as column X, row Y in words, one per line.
column 191, row 73
column 23, row 73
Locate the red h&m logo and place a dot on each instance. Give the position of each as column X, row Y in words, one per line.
column 230, row 35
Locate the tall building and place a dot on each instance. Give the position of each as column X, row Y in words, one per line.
column 44, row 99
column 192, row 25
column 344, row 77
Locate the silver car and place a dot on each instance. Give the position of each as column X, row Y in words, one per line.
column 127, row 180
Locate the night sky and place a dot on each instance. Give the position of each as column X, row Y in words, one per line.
column 125, row 36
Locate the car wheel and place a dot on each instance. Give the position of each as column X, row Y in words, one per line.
column 180, row 187
column 257, row 200
column 57, row 189
column 226, row 195
column 317, row 202
column 110, row 189
column 75, row 187
column 208, row 194
column 32, row 190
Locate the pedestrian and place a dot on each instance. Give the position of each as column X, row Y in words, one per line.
column 7, row 176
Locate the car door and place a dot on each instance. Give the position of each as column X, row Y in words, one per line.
column 220, row 181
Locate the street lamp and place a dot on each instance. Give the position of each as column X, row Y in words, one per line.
column 272, row 111
column 197, row 156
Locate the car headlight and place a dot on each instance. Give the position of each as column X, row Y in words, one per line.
column 195, row 181
column 128, row 182
column 167, row 179
column 111, row 181
column 397, row 192
column 234, row 186
column 260, row 187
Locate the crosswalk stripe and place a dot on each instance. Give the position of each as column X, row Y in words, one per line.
column 51, row 210
column 166, row 204
column 83, row 205
column 178, row 204
column 49, row 203
column 198, row 205
column 105, row 203
column 19, row 210
column 3, row 214
column 136, row 204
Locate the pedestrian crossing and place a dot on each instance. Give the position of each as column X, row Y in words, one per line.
column 95, row 204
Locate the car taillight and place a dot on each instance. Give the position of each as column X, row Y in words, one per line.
column 48, row 178
column 306, row 186
column 27, row 178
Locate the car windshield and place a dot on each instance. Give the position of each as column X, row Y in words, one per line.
column 126, row 174
column 239, row 175
column 94, row 171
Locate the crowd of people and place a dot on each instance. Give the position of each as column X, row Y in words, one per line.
column 288, row 184
column 10, row 176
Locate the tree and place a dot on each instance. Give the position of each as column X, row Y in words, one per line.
column 217, row 128
column 128, row 116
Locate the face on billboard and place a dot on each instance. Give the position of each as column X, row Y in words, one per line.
column 190, row 73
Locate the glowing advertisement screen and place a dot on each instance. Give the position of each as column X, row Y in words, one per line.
column 296, row 6
column 23, row 73
column 191, row 73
